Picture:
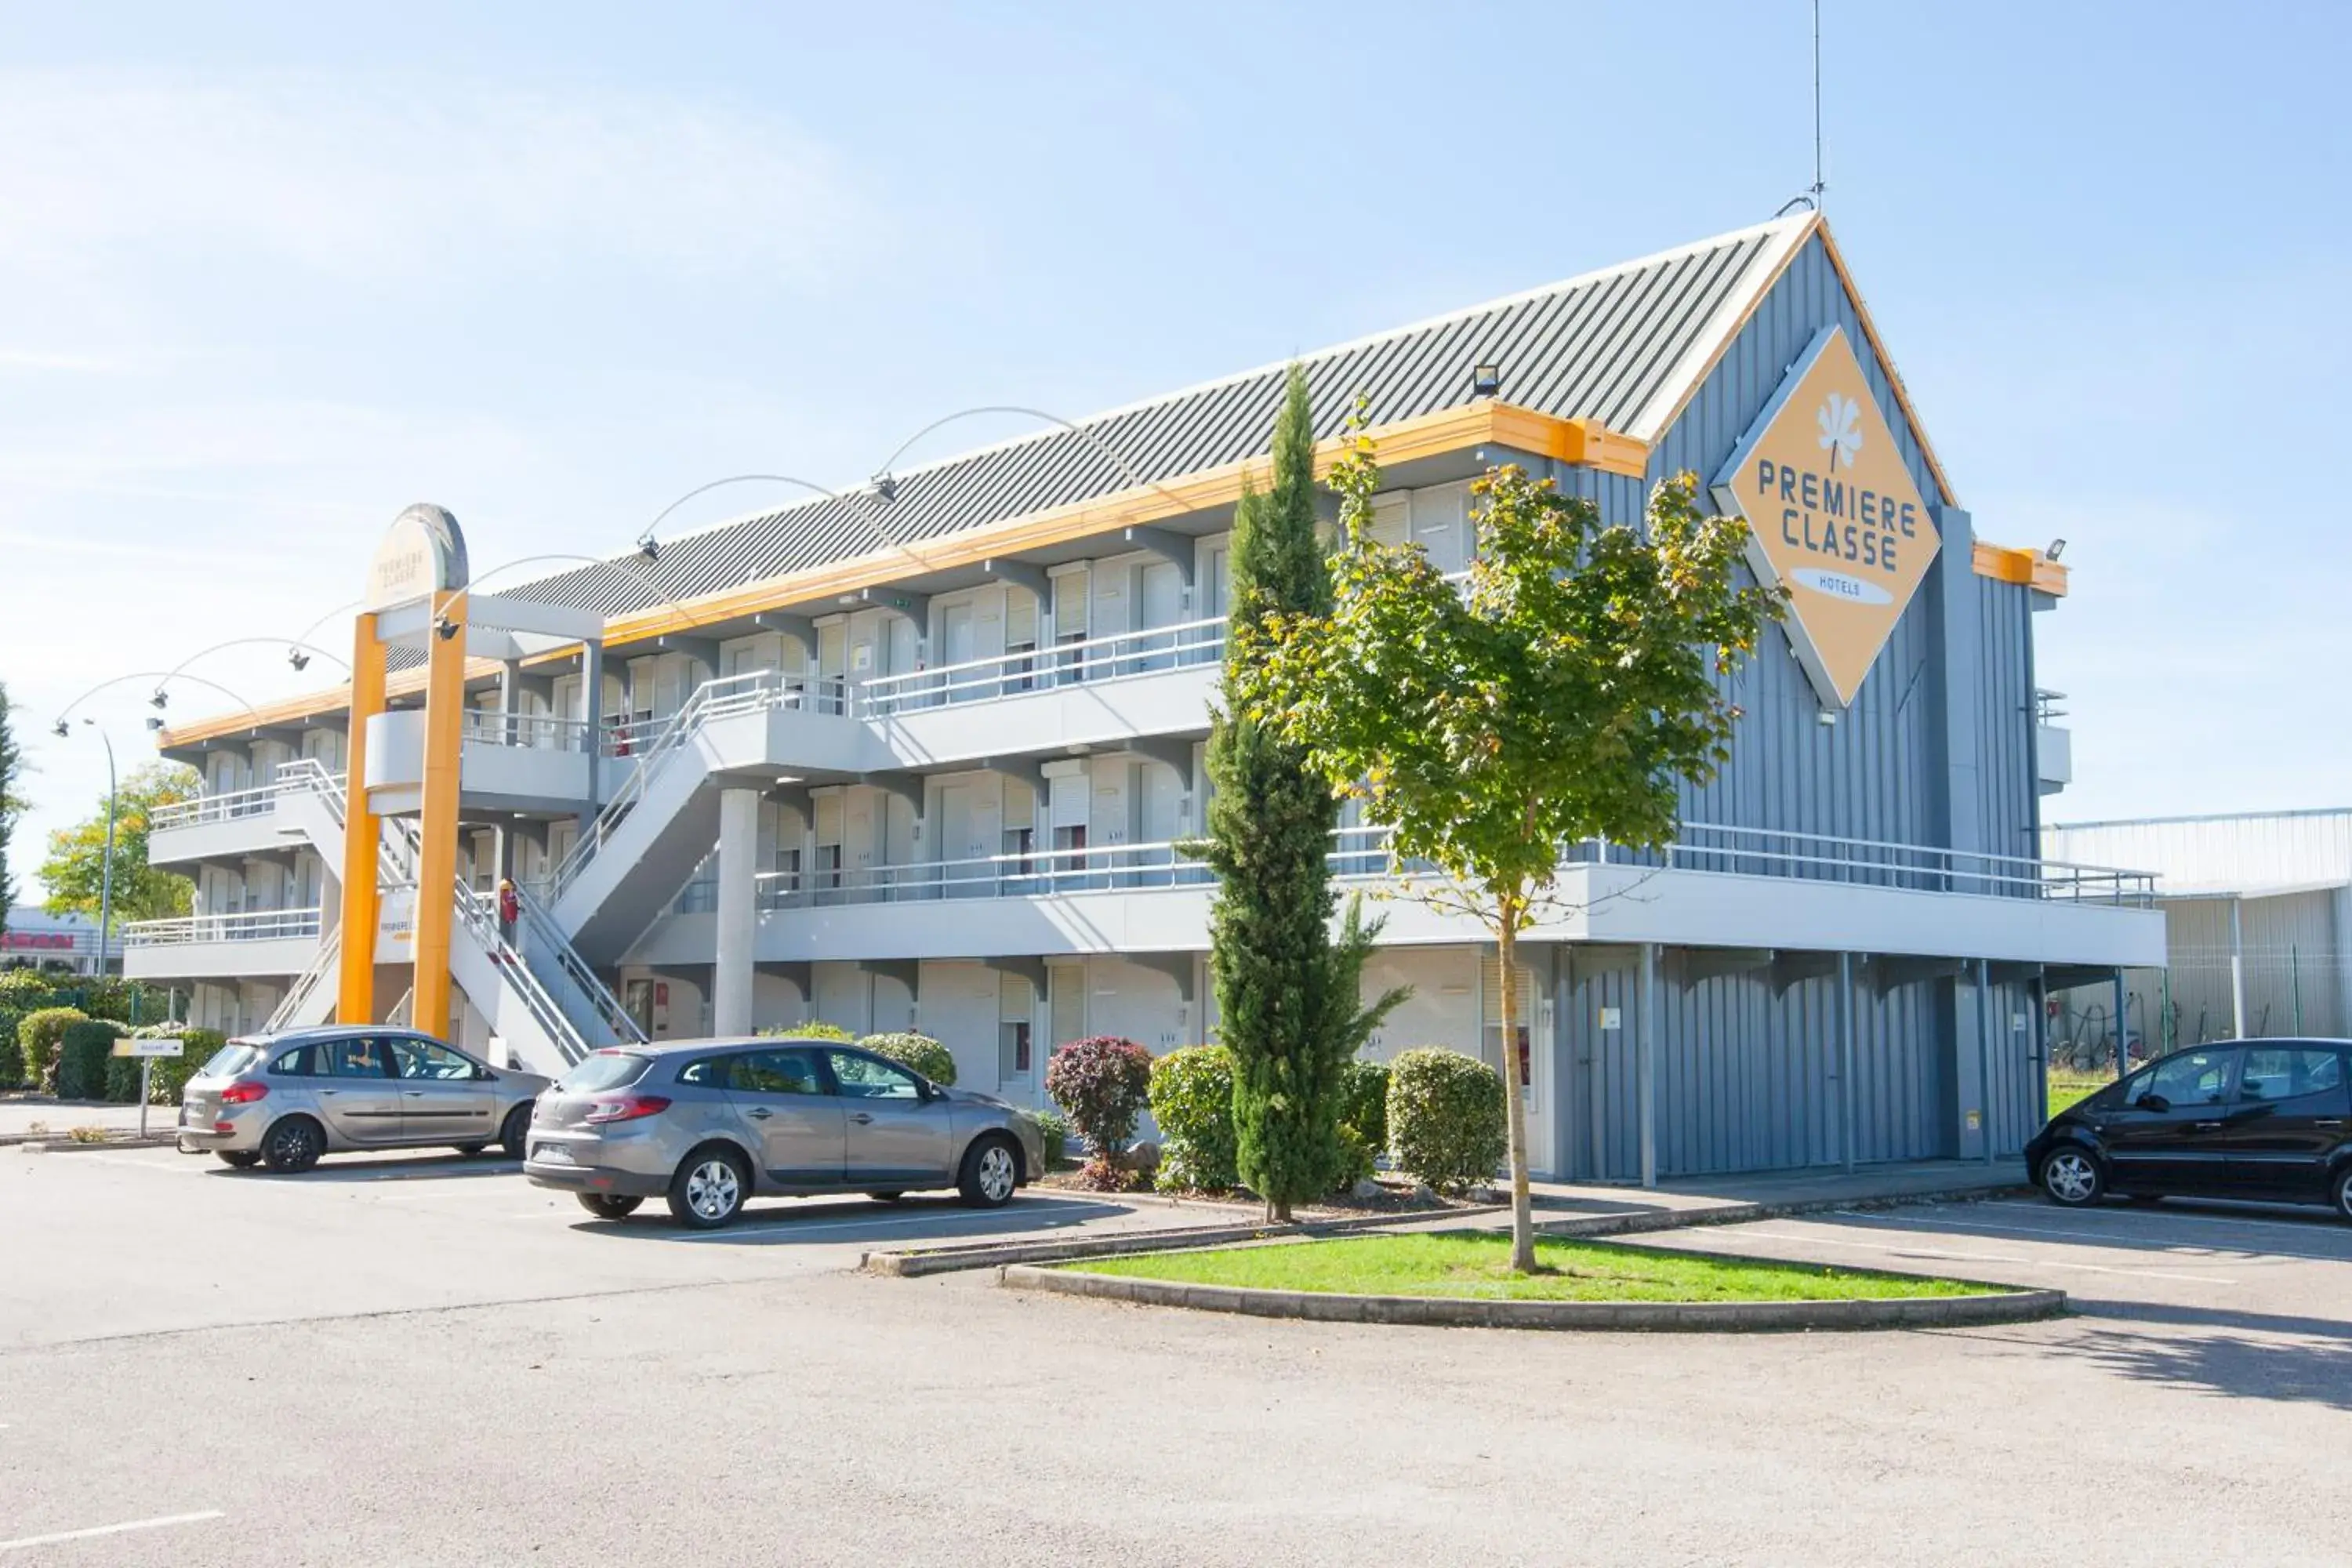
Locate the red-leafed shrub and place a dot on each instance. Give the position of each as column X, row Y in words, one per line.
column 1103, row 1082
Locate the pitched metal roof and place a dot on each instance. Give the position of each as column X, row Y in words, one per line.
column 1623, row 346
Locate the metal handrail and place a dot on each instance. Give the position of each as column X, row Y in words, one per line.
column 248, row 925
column 533, row 731
column 584, row 980
column 233, row 805
column 298, row 995
column 1083, row 660
column 1365, row 853
column 480, row 914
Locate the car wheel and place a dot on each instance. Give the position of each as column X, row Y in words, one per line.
column 514, row 1133
column 2344, row 1192
column 709, row 1189
column 990, row 1172
column 293, row 1144
column 608, row 1206
column 2072, row 1177
column 238, row 1159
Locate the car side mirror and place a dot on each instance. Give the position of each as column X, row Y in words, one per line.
column 2152, row 1101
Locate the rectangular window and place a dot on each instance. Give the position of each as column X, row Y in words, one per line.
column 2299, row 1082
column 1012, row 1048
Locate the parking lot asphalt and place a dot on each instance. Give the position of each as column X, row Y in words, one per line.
column 426, row 1361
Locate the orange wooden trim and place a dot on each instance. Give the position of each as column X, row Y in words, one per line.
column 1886, row 362
column 1483, row 423
column 1820, row 226
column 2028, row 568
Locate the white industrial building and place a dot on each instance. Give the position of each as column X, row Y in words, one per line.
column 2257, row 910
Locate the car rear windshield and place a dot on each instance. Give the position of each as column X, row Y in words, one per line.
column 605, row 1069
column 231, row 1059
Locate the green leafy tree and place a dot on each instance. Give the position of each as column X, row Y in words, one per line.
column 1289, row 999
column 76, row 868
column 12, row 801
column 1563, row 694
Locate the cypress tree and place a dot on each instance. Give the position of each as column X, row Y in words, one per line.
column 1287, row 998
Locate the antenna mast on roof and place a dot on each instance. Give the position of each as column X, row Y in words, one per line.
column 1811, row 195
column 1819, row 186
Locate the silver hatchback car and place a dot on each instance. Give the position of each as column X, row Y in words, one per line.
column 284, row 1100
column 709, row 1123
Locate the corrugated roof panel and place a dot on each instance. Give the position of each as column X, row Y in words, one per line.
column 1602, row 346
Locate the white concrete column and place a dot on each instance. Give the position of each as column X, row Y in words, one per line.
column 2237, row 975
column 738, row 852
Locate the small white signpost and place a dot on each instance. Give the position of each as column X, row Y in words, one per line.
column 147, row 1051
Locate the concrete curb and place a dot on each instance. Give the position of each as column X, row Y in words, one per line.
column 1682, row 1317
column 62, row 1142
column 1635, row 1224
column 914, row 1263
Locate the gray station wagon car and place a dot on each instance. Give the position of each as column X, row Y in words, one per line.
column 287, row 1098
column 709, row 1123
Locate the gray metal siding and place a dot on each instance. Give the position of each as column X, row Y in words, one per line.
column 1862, row 777
column 1748, row 1073
column 2009, row 800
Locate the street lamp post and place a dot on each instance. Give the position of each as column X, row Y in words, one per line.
column 106, row 870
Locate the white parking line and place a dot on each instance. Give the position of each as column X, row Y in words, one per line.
column 24, row 1541
column 1976, row 1256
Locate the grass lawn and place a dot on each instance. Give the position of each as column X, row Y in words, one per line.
column 1466, row 1263
column 2067, row 1088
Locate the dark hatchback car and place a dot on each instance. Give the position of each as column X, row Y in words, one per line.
column 2267, row 1120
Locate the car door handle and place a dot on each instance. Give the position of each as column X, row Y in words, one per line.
column 862, row 1117
column 759, row 1113
column 2208, row 1127
column 2329, row 1122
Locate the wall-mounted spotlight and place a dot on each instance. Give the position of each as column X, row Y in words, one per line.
column 649, row 547
column 445, row 628
column 60, row 729
column 2057, row 548
column 1485, row 380
column 298, row 658
column 1826, row 717
column 162, row 698
column 886, row 486
column 154, row 723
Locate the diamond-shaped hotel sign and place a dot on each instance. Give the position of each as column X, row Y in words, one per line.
column 1832, row 514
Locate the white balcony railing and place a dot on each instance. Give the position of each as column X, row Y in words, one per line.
column 1073, row 663
column 1363, row 854
column 535, row 731
column 251, row 925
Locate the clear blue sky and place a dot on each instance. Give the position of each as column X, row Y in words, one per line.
column 269, row 273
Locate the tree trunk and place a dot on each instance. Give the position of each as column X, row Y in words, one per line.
column 1515, row 1104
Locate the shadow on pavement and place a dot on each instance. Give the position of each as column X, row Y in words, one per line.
column 2224, row 1364
column 829, row 1223
column 339, row 1169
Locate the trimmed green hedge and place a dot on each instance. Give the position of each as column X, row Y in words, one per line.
column 919, row 1052
column 1193, row 1101
column 85, row 1052
column 38, row 1035
column 1445, row 1117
